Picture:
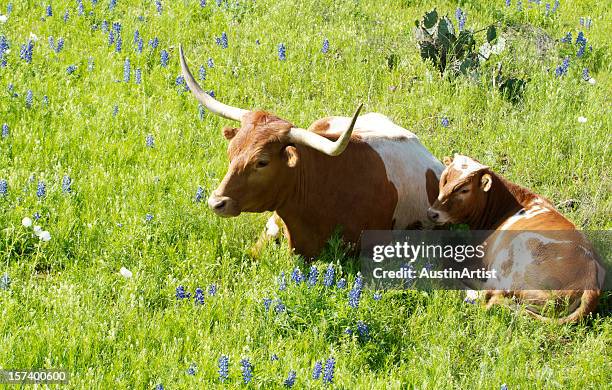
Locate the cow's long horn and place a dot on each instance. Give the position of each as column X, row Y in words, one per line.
column 214, row 106
column 322, row 144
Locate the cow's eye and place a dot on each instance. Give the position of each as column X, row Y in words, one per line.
column 465, row 191
column 261, row 164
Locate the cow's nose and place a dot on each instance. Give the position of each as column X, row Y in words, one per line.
column 433, row 215
column 217, row 203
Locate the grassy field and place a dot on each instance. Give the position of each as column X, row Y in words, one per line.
column 136, row 154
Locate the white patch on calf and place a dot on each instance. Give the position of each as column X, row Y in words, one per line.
column 272, row 228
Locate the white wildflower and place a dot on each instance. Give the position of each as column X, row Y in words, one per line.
column 27, row 222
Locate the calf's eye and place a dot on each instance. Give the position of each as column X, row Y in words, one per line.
column 261, row 164
column 465, row 191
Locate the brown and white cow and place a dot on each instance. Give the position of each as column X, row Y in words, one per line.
column 321, row 178
column 548, row 263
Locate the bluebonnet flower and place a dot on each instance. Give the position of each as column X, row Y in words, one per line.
column 224, row 40
column 49, row 10
column 158, row 5
column 280, row 307
column 519, row 5
column 138, row 76
column 444, row 122
column 111, row 37
column 211, row 93
column 201, row 111
column 328, row 371
column 27, row 51
column 471, row 301
column 325, row 47
column 562, row 69
column 274, row 358
column 94, row 2
column 461, row 18
column 199, row 194
column 90, row 64
column 363, row 330
column 192, row 369
column 112, row 4
column 296, row 276
column 29, row 98
column 313, row 275
column 199, row 296
column 45, row 100
column 126, row 70
column 70, row 69
column 377, row 296
column 257, row 42
column 580, row 51
column 180, row 81
column 202, row 3
column 118, row 43
column 60, row 45
column 585, row 74
column 282, row 283
column 9, row 8
column 355, row 294
column 181, row 294
column 247, row 370
column 568, row 38
column 507, row 3
column 5, row 130
column 341, row 283
column 581, row 39
column 41, row 189
column 587, row 23
column 282, row 52
column 223, row 368
column 348, row 331
column 136, row 36
column 504, row 387
column 5, row 282
column 555, row 6
column 212, row 290
column 3, row 187
column 117, row 27
column 80, row 9
column 328, row 279
column 290, row 381
column 267, row 302
column 67, row 184
column 149, row 217
column 164, row 58
column 316, row 371
column 104, row 26
column 582, row 21
column 159, row 387
column 36, row 216
column 154, row 42
column 149, row 141
column 51, row 43
column 218, row 41
column 547, row 7
column 139, row 45
column 202, row 73
column 211, row 64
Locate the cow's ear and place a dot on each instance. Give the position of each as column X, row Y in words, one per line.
column 485, row 182
column 447, row 160
column 229, row 132
column 291, row 154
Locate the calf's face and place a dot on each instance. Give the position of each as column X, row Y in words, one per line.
column 463, row 190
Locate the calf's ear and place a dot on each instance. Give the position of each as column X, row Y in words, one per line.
column 485, row 182
column 447, row 160
column 432, row 186
column 292, row 156
column 229, row 132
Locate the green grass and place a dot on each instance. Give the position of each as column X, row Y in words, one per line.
column 68, row 307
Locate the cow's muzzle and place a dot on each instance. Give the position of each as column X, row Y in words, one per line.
column 223, row 206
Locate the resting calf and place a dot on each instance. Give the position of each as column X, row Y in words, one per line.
column 548, row 251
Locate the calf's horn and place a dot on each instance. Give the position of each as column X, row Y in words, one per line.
column 214, row 106
column 322, row 144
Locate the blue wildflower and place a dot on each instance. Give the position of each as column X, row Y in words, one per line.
column 296, row 276
column 180, row 81
column 354, row 296
column 49, row 10
column 5, row 282
column 316, row 371
column 199, row 296
column 580, row 51
column 202, row 3
column 469, row 300
column 325, row 47
column 461, row 18
column 51, row 43
column 223, row 368
column 45, row 100
column 282, row 283
column 377, row 296
column 547, row 7
column 164, row 58
column 257, row 42
column 60, row 45
column 199, row 194
column 282, row 52
column 104, row 26
column 41, row 189
column 66, row 16
column 5, row 130
column 328, row 371
column 112, row 4
column 67, row 184
column 585, row 74
column 274, row 358
column 341, row 283
column 29, row 98
column 568, row 38
column 126, row 70
column 159, row 387
column 138, row 76
column 348, row 331
column 149, row 217
column 36, row 216
column 136, row 36
column 224, row 40
column 363, row 330
column 117, row 27
column 444, row 122
column 267, row 302
column 562, row 69
column 313, row 275
column 587, row 23
column 507, row 3
column 247, row 370
column 71, row 69
column 290, row 381
column 192, row 369
column 581, row 39
column 212, row 290
column 211, row 93
column 118, row 44
column 154, row 42
column 219, row 3
column 9, row 8
column 181, row 294
column 158, row 6
column 149, row 141
column 328, row 279
column 111, row 37
column 139, row 45
column 504, row 387
column 3, row 187
column 26, row 51
column 80, row 9
column 555, row 6
column 202, row 73
column 280, row 307
column 211, row 64
column 218, row 41
column 519, row 5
